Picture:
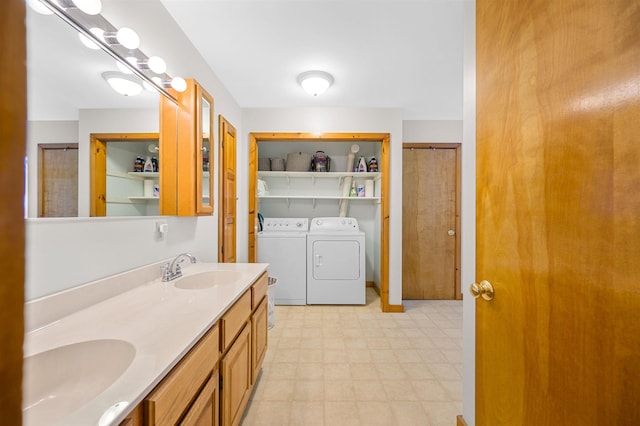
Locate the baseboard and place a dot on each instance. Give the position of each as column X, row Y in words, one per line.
column 393, row 308
column 460, row 421
column 371, row 284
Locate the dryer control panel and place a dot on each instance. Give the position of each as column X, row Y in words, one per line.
column 334, row 224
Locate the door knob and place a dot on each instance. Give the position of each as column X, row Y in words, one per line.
column 451, row 232
column 484, row 289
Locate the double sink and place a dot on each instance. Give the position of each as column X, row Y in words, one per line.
column 59, row 380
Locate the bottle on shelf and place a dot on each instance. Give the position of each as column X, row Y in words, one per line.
column 138, row 164
column 353, row 192
column 148, row 165
column 362, row 165
column 154, row 162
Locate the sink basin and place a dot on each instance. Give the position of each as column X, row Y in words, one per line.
column 207, row 279
column 58, row 381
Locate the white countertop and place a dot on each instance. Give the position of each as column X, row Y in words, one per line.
column 162, row 323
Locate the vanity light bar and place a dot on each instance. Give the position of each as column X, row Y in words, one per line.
column 84, row 24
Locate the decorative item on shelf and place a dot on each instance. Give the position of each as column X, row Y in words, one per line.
column 264, row 164
column 320, row 162
column 298, row 162
column 373, row 164
column 138, row 164
column 277, row 164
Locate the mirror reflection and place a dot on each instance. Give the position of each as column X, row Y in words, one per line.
column 69, row 104
column 206, row 151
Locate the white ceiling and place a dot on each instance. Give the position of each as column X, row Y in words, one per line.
column 382, row 53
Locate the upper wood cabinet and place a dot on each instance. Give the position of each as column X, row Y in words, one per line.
column 193, row 153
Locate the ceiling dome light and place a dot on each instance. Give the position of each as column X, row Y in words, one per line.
column 128, row 38
column 315, row 82
column 90, row 7
column 90, row 43
column 179, row 84
column 124, row 84
column 38, row 6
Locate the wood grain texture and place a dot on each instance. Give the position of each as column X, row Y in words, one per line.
column 558, row 230
column 429, row 196
column 13, row 118
column 58, row 180
column 203, row 142
column 168, row 145
column 234, row 319
column 235, row 369
column 259, row 338
column 226, row 191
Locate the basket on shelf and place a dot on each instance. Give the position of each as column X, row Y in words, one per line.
column 298, row 162
column 277, row 164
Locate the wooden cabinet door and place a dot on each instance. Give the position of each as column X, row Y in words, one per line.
column 235, row 368
column 558, row 233
column 205, row 409
column 259, row 327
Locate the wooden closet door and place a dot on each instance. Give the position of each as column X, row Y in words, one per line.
column 429, row 223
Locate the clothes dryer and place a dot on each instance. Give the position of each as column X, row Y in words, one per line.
column 336, row 269
column 282, row 244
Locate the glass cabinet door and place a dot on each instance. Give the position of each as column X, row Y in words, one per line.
column 204, row 153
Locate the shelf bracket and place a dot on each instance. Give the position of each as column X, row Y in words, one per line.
column 288, row 180
column 288, row 202
column 313, row 180
column 314, row 204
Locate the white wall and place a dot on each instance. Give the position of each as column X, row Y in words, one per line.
column 432, row 131
column 63, row 253
column 337, row 120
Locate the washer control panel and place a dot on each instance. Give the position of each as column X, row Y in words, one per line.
column 285, row 224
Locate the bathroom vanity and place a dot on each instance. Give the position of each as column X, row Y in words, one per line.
column 133, row 350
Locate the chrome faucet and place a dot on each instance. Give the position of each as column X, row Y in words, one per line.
column 171, row 271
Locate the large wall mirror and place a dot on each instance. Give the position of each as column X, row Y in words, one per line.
column 70, row 104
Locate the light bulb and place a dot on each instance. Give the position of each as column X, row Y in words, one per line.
column 179, row 84
column 157, row 64
column 128, row 38
column 90, row 7
column 315, row 82
column 90, row 43
column 38, row 6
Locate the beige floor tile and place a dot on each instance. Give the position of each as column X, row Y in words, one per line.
column 289, row 342
column 341, row 413
column 444, row 371
column 432, row 355
column 337, row 371
column 375, row 413
column 278, row 390
column 417, row 370
column 383, row 356
column 339, row 390
column 369, row 390
column 392, row 371
column 307, row 413
column 272, row 413
column 410, row 413
column 430, row 390
column 358, row 356
column 453, row 388
column 356, row 343
column 309, row 390
column 333, row 343
column 311, row 343
column 441, row 413
column 309, row 371
column 310, row 355
column 398, row 390
column 334, row 355
column 407, row 355
column 378, row 343
column 286, row 355
column 279, row 371
column 364, row 371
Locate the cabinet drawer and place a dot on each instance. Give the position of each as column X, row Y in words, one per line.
column 172, row 397
column 259, row 290
column 204, row 411
column 234, row 319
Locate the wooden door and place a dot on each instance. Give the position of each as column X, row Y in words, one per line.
column 227, row 178
column 429, row 215
column 558, row 229
column 58, row 180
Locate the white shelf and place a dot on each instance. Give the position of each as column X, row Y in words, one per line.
column 142, row 175
column 316, row 197
column 319, row 175
column 144, row 198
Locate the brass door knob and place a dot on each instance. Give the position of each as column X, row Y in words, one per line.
column 484, row 289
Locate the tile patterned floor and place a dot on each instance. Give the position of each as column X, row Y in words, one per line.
column 354, row 365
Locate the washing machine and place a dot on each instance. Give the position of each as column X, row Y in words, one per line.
column 282, row 244
column 336, row 269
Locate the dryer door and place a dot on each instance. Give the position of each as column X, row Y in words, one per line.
column 336, row 259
